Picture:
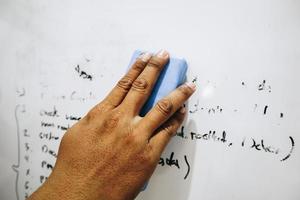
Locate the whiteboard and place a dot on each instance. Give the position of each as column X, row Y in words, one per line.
column 241, row 137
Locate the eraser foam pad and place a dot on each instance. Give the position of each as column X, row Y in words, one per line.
column 172, row 75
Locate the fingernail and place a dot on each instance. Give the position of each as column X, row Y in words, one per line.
column 162, row 54
column 145, row 56
column 191, row 85
column 182, row 110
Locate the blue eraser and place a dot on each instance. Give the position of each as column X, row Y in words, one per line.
column 172, row 75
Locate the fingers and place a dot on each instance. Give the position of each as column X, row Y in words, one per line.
column 143, row 85
column 165, row 108
column 116, row 96
column 163, row 134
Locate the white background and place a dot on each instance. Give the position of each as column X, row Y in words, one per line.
column 225, row 43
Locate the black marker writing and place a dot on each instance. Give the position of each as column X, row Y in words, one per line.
column 83, row 74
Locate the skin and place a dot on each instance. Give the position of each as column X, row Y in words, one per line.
column 112, row 151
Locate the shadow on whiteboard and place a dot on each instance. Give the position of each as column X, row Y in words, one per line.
column 173, row 176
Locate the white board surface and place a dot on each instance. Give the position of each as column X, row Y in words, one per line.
column 241, row 138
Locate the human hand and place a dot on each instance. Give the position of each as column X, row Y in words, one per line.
column 111, row 152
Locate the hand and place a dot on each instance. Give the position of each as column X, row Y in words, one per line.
column 111, row 152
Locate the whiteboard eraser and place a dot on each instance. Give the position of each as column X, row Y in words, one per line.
column 172, row 75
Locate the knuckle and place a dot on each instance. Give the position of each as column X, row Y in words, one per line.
column 146, row 158
column 169, row 130
column 96, row 111
column 131, row 140
column 165, row 106
column 155, row 63
column 185, row 90
column 92, row 114
column 179, row 117
column 125, row 83
column 140, row 84
column 139, row 65
column 112, row 121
